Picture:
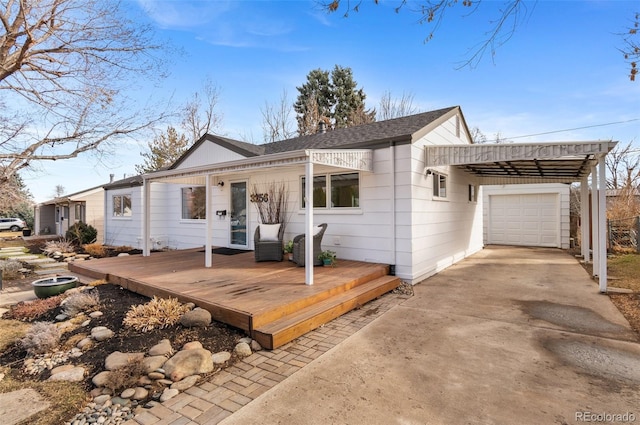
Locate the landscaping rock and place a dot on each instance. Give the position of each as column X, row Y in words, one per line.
column 62, row 368
column 185, row 383
column 168, row 394
column 191, row 345
column 101, row 378
column 188, row 362
column 75, row 374
column 86, row 323
column 242, row 349
column 123, row 254
column 246, row 340
column 86, row 342
column 61, row 317
column 155, row 375
column 144, row 380
column 198, row 317
column 101, row 333
column 153, row 363
column 95, row 314
column 118, row 359
column 221, row 357
column 119, row 400
column 163, row 348
column 190, row 306
column 128, row 393
column 101, row 399
column 165, row 382
column 255, row 345
column 140, row 393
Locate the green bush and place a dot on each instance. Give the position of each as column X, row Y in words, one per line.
column 82, row 233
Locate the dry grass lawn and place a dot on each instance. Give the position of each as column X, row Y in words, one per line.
column 625, row 271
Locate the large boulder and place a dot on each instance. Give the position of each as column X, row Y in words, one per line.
column 188, row 362
column 198, row 317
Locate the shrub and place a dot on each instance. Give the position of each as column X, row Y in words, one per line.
column 82, row 233
column 158, row 313
column 62, row 246
column 95, row 250
column 126, row 376
column 80, row 301
column 42, row 337
column 10, row 268
column 29, row 311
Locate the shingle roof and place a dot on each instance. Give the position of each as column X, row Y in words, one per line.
column 123, row 183
column 360, row 136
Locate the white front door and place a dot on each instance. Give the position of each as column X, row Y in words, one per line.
column 238, row 228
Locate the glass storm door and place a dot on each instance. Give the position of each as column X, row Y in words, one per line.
column 238, row 228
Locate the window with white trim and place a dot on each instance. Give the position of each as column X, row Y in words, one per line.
column 439, row 185
column 334, row 191
column 121, row 205
column 194, row 203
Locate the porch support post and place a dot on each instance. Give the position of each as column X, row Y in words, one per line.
column 146, row 216
column 207, row 245
column 308, row 223
column 585, row 226
column 602, row 226
column 594, row 220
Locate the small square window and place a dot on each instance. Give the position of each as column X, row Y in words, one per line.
column 473, row 193
column 439, row 185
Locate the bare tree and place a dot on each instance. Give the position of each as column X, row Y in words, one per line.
column 433, row 12
column 395, row 108
column 631, row 50
column 63, row 79
column 200, row 114
column 58, row 191
column 623, row 166
column 276, row 120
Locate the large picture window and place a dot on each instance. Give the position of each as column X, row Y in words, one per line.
column 194, row 203
column 334, row 191
column 122, row 205
column 439, row 185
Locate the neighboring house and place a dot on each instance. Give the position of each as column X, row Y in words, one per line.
column 404, row 192
column 54, row 217
column 527, row 215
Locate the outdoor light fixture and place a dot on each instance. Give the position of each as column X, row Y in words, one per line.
column 221, row 184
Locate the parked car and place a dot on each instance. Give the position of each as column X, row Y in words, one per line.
column 13, row 224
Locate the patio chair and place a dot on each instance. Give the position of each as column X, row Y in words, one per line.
column 268, row 242
column 299, row 247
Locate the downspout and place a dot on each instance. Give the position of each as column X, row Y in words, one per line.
column 392, row 159
column 207, row 246
column 602, row 235
column 308, row 228
column 146, row 225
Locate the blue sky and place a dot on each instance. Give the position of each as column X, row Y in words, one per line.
column 560, row 70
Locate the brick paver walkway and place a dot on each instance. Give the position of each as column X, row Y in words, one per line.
column 230, row 389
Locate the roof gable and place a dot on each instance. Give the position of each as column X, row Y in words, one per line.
column 243, row 149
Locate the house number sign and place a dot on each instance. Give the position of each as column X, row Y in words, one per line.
column 259, row 197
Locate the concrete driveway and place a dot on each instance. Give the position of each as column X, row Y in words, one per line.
column 510, row 335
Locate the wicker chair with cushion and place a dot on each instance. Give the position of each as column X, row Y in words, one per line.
column 299, row 246
column 267, row 242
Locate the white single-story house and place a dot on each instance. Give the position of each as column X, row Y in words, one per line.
column 404, row 192
column 54, row 217
column 527, row 215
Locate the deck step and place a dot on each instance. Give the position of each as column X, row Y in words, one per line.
column 281, row 331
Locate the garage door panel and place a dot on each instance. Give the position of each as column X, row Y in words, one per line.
column 530, row 220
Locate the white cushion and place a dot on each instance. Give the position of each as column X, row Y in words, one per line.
column 269, row 232
column 317, row 230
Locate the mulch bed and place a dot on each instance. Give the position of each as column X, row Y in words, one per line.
column 114, row 304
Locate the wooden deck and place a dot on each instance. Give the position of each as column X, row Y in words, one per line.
column 268, row 300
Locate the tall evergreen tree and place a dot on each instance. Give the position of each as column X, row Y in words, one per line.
column 338, row 101
column 163, row 151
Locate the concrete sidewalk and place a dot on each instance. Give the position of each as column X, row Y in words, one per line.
column 510, row 335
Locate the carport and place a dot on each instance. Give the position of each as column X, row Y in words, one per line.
column 554, row 162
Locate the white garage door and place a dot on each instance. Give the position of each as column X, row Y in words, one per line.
column 529, row 220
